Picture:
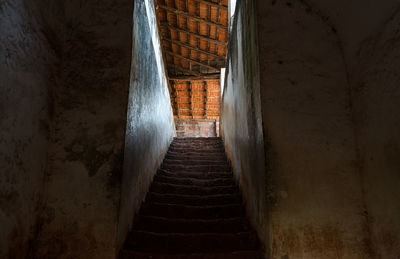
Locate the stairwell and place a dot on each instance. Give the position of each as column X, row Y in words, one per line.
column 194, row 208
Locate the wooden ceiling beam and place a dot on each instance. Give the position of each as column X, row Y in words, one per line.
column 222, row 43
column 187, row 15
column 194, row 48
column 205, row 77
column 184, row 70
column 191, row 60
column 218, row 5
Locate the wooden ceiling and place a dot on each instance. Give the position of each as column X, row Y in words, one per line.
column 194, row 36
column 196, row 99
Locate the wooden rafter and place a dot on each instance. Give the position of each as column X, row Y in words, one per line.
column 218, row 20
column 205, row 77
column 187, row 15
column 209, row 33
column 191, row 60
column 222, row 43
column 176, row 67
column 194, row 48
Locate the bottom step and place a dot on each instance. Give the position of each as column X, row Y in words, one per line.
column 126, row 254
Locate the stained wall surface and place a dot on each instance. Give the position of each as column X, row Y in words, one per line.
column 195, row 128
column 150, row 128
column 376, row 93
column 314, row 189
column 328, row 76
column 28, row 54
column 328, row 90
column 82, row 188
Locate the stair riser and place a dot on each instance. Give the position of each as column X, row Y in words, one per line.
column 194, row 181
column 197, row 175
column 197, row 168
column 193, row 200
column 175, row 156
column 192, row 190
column 209, row 151
column 185, row 212
column 183, row 162
column 161, row 225
column 198, row 148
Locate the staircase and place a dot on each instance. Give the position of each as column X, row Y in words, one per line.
column 194, row 208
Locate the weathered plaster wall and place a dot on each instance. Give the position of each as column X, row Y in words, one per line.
column 314, row 189
column 90, row 102
column 195, row 128
column 376, row 93
column 150, row 127
column 27, row 57
column 241, row 124
column 328, row 89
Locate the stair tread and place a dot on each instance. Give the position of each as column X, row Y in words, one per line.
column 194, row 162
column 169, row 225
column 196, row 174
column 192, row 189
column 194, row 200
column 189, row 211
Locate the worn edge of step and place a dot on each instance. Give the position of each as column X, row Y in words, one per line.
column 195, row 174
column 193, row 189
column 194, row 200
column 213, row 182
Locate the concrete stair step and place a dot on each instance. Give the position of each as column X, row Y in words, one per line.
column 197, row 150
column 196, row 156
column 169, row 161
column 194, row 139
column 168, row 225
column 196, row 174
column 194, row 181
column 168, row 188
column 197, row 168
column 180, row 211
column 191, row 242
column 194, row 200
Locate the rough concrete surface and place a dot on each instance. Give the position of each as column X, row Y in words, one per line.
column 27, row 74
column 82, row 187
column 328, row 77
column 150, row 126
